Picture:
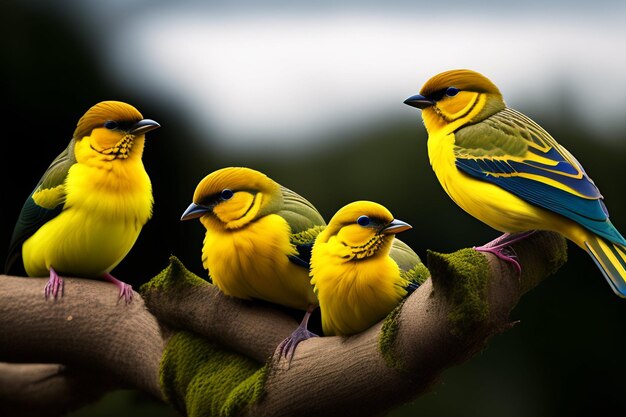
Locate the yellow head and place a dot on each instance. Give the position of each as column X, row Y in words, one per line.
column 364, row 229
column 233, row 197
column 457, row 97
column 111, row 130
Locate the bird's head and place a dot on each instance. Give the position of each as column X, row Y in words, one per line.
column 364, row 229
column 231, row 198
column 455, row 98
column 111, row 130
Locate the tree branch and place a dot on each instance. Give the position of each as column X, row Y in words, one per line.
column 448, row 319
column 87, row 330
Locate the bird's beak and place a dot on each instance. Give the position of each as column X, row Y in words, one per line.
column 395, row 226
column 419, row 101
column 194, row 211
column 144, row 126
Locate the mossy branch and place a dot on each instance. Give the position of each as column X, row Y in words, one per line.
column 208, row 354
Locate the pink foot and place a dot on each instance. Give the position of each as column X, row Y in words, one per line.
column 54, row 285
column 500, row 247
column 499, row 252
column 126, row 290
column 287, row 347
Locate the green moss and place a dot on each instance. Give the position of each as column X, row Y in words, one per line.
column 199, row 378
column 174, row 275
column 463, row 277
column 387, row 338
column 418, row 274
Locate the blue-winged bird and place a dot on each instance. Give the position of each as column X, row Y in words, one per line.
column 507, row 171
column 86, row 212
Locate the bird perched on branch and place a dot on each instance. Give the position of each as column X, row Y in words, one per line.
column 359, row 269
column 504, row 169
column 258, row 240
column 87, row 210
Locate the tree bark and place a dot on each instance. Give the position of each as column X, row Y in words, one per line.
column 92, row 334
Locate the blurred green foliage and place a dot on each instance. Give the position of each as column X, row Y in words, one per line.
column 562, row 358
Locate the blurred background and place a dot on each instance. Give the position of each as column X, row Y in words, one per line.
column 311, row 94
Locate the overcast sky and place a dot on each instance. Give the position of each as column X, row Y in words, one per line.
column 296, row 72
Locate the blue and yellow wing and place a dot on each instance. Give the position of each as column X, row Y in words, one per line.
column 43, row 204
column 513, row 152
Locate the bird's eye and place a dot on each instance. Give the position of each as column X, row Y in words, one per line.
column 226, row 194
column 363, row 221
column 110, row 124
column 452, row 91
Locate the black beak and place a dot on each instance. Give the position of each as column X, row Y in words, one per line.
column 194, row 211
column 419, row 101
column 144, row 126
column 395, row 226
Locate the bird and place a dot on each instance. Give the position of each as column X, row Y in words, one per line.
column 359, row 270
column 504, row 169
column 258, row 241
column 88, row 208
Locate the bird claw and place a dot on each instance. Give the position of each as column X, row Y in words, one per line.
column 126, row 290
column 54, row 286
column 287, row 347
column 500, row 247
column 505, row 253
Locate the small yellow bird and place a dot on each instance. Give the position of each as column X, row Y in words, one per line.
column 359, row 270
column 86, row 212
column 504, row 169
column 258, row 240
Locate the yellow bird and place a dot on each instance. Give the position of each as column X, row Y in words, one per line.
column 258, row 240
column 86, row 212
column 507, row 171
column 359, row 270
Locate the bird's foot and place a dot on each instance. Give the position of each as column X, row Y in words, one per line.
column 287, row 347
column 126, row 290
column 54, row 286
column 506, row 253
column 500, row 247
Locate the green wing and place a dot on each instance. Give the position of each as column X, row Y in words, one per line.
column 510, row 145
column 305, row 222
column 43, row 204
column 411, row 267
column 510, row 150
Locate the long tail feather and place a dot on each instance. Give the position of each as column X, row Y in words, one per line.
column 611, row 259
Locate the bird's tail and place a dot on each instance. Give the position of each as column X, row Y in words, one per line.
column 611, row 259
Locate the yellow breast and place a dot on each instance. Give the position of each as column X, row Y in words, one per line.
column 354, row 295
column 102, row 216
column 487, row 202
column 252, row 262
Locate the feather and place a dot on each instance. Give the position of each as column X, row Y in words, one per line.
column 509, row 144
column 38, row 211
column 360, row 271
column 545, row 174
column 508, row 172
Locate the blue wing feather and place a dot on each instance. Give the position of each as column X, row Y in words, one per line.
column 518, row 154
column 590, row 213
column 411, row 287
column 304, row 255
